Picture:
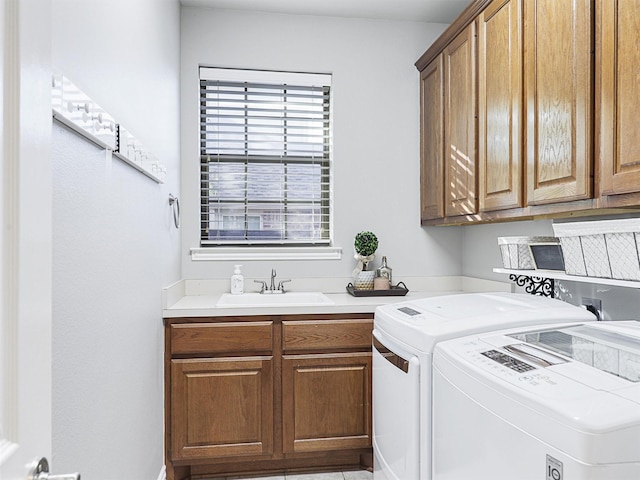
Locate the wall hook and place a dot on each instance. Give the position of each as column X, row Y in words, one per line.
column 175, row 204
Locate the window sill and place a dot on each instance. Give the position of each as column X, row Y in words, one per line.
column 211, row 254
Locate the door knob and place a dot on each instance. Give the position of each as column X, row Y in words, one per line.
column 41, row 472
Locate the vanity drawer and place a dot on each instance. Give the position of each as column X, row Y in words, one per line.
column 224, row 337
column 327, row 334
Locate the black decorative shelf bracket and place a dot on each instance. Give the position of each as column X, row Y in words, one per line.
column 535, row 285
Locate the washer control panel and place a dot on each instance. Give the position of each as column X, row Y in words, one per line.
column 508, row 361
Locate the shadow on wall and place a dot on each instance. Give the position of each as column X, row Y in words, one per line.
column 446, row 245
column 481, row 253
column 618, row 303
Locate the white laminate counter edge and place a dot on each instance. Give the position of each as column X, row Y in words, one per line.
column 198, row 298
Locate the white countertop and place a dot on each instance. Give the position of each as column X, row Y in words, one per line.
column 205, row 305
column 198, row 298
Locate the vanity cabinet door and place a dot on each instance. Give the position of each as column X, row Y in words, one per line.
column 617, row 99
column 558, row 94
column 326, row 402
column 221, row 407
column 500, row 158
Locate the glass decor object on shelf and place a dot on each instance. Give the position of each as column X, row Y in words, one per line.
column 384, row 270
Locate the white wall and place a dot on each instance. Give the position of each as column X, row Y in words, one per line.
column 480, row 245
column 114, row 245
column 376, row 131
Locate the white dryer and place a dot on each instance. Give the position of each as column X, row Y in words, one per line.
column 553, row 403
column 404, row 337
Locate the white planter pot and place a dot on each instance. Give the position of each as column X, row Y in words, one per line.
column 364, row 281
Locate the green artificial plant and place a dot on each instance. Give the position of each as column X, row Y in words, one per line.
column 365, row 245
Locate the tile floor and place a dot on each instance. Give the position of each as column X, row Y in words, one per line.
column 346, row 475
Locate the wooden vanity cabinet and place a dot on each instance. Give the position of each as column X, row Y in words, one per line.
column 222, row 407
column 265, row 394
column 326, row 385
column 222, row 399
column 617, row 99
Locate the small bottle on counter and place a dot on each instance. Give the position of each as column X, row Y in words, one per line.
column 382, row 280
column 380, row 283
column 237, row 281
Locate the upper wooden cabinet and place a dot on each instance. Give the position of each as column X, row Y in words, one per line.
column 558, row 93
column 617, row 98
column 459, row 58
column 431, row 141
column 500, row 165
column 556, row 97
column 448, row 131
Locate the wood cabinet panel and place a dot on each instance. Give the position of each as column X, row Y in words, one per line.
column 221, row 407
column 500, row 159
column 559, row 141
column 459, row 133
column 326, row 402
column 232, row 410
column 558, row 92
column 617, row 99
column 326, row 334
column 431, row 141
column 224, row 337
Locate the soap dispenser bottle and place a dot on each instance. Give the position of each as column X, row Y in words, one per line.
column 237, row 281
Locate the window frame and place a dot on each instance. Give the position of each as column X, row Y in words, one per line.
column 325, row 162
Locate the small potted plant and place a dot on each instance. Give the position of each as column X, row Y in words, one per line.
column 365, row 245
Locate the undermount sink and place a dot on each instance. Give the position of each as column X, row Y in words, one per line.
column 289, row 299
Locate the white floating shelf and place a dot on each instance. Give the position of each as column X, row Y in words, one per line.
column 560, row 275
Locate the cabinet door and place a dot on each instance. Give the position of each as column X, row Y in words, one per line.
column 221, row 407
column 459, row 132
column 326, row 402
column 500, row 158
column 558, row 39
column 617, row 99
column 431, row 141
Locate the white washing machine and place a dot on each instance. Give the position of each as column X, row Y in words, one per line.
column 552, row 403
column 404, row 337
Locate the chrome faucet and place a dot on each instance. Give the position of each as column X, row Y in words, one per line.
column 272, row 287
column 273, row 279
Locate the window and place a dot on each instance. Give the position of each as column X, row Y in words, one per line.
column 264, row 158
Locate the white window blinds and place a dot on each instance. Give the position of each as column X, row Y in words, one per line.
column 264, row 157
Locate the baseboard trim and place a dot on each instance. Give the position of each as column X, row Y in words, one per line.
column 163, row 473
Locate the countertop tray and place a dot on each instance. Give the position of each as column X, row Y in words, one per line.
column 399, row 290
